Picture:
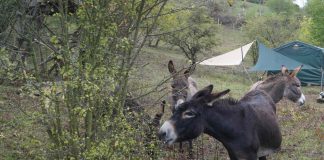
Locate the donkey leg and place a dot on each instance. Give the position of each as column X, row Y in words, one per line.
column 180, row 147
column 253, row 157
column 237, row 155
column 190, row 150
column 263, row 158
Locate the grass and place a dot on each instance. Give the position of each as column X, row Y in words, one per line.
column 301, row 127
column 20, row 132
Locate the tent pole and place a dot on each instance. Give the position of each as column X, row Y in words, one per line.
column 244, row 67
column 242, row 54
column 248, row 74
column 322, row 79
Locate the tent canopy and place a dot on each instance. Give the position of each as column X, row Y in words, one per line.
column 306, row 54
column 269, row 60
column 234, row 57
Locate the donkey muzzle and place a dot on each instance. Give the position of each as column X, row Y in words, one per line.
column 301, row 100
column 167, row 133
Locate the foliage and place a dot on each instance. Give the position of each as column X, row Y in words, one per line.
column 8, row 69
column 71, row 99
column 315, row 9
column 7, row 11
column 90, row 56
column 273, row 30
column 197, row 32
column 304, row 31
column 255, row 1
column 282, row 6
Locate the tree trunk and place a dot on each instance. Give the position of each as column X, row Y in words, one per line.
column 157, row 43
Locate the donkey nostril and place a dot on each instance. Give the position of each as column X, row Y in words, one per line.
column 302, row 103
column 162, row 135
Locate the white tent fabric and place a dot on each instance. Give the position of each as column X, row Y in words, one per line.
column 234, row 57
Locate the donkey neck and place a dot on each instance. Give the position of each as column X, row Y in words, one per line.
column 220, row 121
column 192, row 86
column 274, row 88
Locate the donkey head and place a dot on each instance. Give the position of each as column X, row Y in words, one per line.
column 187, row 122
column 284, row 84
column 292, row 88
column 181, row 86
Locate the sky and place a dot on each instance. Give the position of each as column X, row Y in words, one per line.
column 300, row 3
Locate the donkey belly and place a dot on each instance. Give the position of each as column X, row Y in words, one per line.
column 268, row 131
column 266, row 151
column 269, row 137
column 261, row 107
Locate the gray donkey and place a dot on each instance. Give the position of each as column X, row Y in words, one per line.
column 183, row 88
column 281, row 85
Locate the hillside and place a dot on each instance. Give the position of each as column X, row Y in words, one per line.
column 70, row 93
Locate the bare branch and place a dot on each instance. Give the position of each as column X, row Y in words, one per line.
column 167, row 33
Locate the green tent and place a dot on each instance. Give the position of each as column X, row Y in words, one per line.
column 306, row 54
column 270, row 60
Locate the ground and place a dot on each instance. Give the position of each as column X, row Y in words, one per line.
column 302, row 127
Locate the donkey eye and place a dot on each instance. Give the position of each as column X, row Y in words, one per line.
column 189, row 114
column 297, row 85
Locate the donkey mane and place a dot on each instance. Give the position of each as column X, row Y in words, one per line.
column 272, row 78
column 269, row 82
column 227, row 104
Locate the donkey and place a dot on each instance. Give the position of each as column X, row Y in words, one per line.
column 248, row 128
column 183, row 88
column 281, row 85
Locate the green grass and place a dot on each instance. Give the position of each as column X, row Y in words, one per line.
column 20, row 132
column 302, row 128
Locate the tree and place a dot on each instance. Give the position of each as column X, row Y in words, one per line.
column 84, row 103
column 305, row 31
column 273, row 29
column 282, row 6
column 315, row 9
column 7, row 11
column 197, row 33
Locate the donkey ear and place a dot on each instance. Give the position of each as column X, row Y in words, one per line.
column 220, row 94
column 204, row 92
column 284, row 70
column 295, row 71
column 210, row 99
column 171, row 67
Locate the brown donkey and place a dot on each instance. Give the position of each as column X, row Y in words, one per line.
column 281, row 85
column 183, row 88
